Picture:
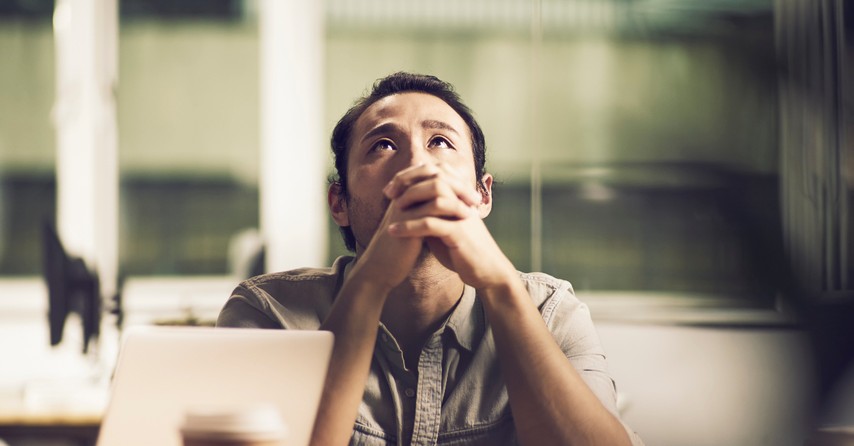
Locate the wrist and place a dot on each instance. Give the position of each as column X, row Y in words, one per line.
column 356, row 310
column 502, row 278
column 363, row 282
column 503, row 290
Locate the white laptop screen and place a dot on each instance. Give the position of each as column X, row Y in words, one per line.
column 164, row 371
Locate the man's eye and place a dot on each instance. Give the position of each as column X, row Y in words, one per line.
column 441, row 143
column 382, row 145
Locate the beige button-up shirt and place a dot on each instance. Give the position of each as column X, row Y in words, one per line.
column 456, row 395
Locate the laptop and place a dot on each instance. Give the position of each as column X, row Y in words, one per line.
column 162, row 372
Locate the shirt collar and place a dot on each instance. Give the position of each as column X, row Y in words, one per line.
column 467, row 322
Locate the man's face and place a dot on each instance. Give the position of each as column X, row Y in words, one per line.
column 394, row 133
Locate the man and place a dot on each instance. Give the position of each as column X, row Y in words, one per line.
column 438, row 339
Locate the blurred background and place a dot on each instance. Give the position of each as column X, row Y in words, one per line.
column 687, row 165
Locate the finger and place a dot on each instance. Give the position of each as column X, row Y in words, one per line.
column 442, row 207
column 409, row 176
column 462, row 187
column 425, row 184
column 423, row 192
column 424, row 227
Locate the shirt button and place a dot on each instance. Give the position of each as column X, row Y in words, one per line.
column 409, row 392
column 384, row 337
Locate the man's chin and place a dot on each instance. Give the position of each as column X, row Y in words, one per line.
column 426, row 257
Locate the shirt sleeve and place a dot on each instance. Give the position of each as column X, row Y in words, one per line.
column 572, row 326
column 239, row 312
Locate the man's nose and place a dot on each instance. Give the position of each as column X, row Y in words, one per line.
column 419, row 155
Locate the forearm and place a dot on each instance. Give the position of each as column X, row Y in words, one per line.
column 351, row 359
column 551, row 403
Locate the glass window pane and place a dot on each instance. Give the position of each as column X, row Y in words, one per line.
column 27, row 148
column 659, row 155
column 655, row 131
column 188, row 138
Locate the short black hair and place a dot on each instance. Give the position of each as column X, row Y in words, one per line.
column 400, row 82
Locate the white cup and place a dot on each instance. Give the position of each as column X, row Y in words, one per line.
column 259, row 425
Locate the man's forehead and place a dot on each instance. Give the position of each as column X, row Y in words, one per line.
column 426, row 106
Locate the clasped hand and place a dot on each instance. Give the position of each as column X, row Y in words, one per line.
column 430, row 204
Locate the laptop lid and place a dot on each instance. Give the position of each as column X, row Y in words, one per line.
column 162, row 372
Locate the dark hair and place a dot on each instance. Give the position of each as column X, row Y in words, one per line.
column 400, row 82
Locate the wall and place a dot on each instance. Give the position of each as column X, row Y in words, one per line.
column 712, row 386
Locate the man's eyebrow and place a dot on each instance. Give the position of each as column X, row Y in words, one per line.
column 382, row 129
column 434, row 124
column 390, row 127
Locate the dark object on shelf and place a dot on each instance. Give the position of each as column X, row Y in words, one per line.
column 72, row 288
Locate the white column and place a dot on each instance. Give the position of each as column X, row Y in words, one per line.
column 293, row 148
column 86, row 34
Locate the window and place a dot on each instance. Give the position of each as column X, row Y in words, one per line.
column 188, row 136
column 635, row 147
column 27, row 148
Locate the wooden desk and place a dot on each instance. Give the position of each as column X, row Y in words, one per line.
column 79, row 428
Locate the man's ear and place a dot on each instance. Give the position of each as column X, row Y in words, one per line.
column 338, row 204
column 485, row 206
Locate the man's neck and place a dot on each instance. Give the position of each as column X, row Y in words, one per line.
column 417, row 307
